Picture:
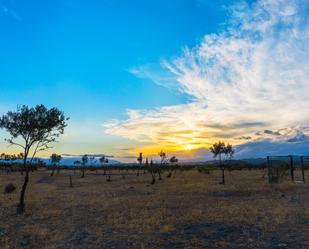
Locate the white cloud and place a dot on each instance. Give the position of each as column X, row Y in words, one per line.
column 256, row 72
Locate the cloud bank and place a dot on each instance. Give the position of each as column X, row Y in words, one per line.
column 248, row 83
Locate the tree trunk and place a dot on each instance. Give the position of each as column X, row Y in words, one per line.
column 153, row 178
column 83, row 173
column 21, row 205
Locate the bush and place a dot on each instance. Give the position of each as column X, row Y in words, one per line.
column 9, row 188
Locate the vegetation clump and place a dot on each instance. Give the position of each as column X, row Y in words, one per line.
column 9, row 188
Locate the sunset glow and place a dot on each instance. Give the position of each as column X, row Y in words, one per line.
column 177, row 76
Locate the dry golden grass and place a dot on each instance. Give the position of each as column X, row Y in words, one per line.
column 189, row 210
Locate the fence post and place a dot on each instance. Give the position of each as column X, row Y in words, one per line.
column 268, row 169
column 302, row 168
column 292, row 168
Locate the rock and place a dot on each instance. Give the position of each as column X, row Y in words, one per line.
column 282, row 245
column 24, row 242
column 2, row 232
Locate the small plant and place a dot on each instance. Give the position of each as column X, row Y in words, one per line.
column 9, row 188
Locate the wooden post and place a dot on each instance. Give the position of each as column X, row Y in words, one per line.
column 302, row 168
column 268, row 169
column 292, row 168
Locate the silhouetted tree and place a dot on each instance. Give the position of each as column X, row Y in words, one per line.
column 84, row 162
column 146, row 165
column 173, row 160
column 34, row 130
column 55, row 160
column 163, row 157
column 152, row 170
column 140, row 161
column 103, row 160
column 217, row 149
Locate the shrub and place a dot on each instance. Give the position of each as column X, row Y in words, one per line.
column 9, row 188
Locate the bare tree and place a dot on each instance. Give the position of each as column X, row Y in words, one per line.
column 33, row 129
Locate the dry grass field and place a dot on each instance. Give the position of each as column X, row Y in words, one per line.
column 189, row 210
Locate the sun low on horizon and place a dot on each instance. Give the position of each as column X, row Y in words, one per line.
column 150, row 76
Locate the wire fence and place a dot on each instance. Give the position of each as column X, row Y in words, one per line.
column 282, row 168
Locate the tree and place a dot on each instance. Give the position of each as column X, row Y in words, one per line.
column 140, row 161
column 152, row 169
column 163, row 158
column 146, row 165
column 217, row 149
column 173, row 160
column 103, row 160
column 92, row 163
column 229, row 151
column 55, row 160
column 76, row 163
column 85, row 160
column 140, row 158
column 34, row 129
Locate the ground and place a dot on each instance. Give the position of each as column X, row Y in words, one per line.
column 189, row 210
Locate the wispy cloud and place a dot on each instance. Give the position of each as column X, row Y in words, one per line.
column 255, row 72
column 7, row 9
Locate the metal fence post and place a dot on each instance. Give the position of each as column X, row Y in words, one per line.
column 268, row 169
column 292, row 168
column 302, row 168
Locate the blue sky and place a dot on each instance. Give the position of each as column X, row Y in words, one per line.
column 113, row 65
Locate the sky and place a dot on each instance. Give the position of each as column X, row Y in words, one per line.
column 147, row 75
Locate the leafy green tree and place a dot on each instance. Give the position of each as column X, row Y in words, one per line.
column 55, row 160
column 33, row 129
